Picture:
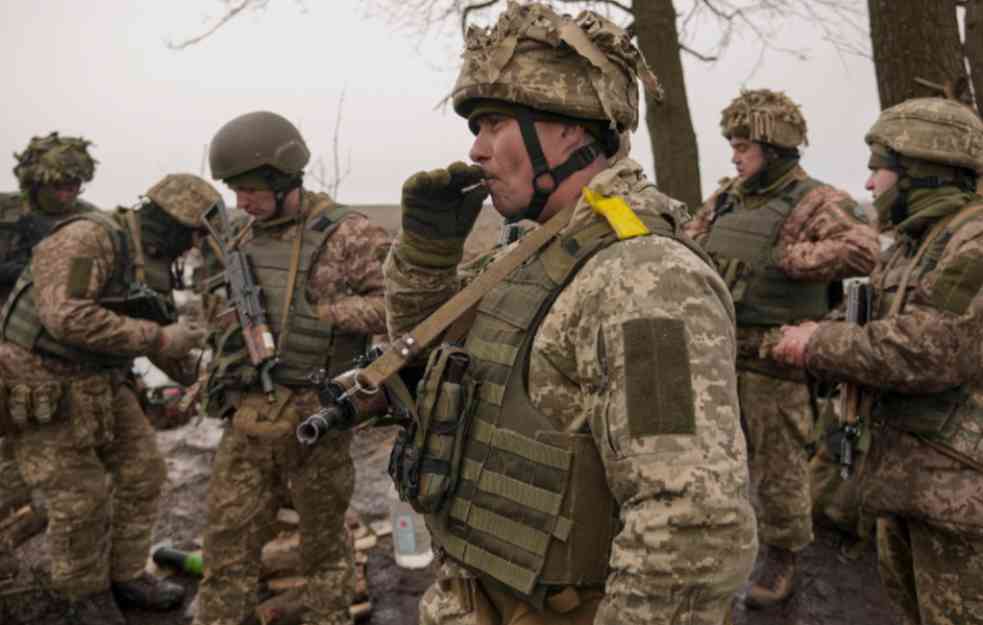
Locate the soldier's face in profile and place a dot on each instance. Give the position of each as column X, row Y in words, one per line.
column 747, row 156
column 881, row 180
column 258, row 203
column 499, row 151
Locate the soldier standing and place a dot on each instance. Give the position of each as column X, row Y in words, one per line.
column 319, row 266
column 922, row 476
column 97, row 294
column 50, row 173
column 782, row 240
column 603, row 474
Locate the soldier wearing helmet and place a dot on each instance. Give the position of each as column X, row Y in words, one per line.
column 319, row 265
column 923, row 470
column 98, row 293
column 602, row 472
column 782, row 240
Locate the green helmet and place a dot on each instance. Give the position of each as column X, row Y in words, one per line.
column 936, row 130
column 256, row 140
column 583, row 68
column 53, row 159
column 185, row 197
column 765, row 116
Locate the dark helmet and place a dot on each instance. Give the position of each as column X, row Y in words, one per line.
column 256, row 140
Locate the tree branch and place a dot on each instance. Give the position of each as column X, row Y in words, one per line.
column 703, row 57
column 235, row 10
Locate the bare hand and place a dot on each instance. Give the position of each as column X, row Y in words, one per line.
column 791, row 349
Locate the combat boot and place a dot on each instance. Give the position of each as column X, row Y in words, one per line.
column 96, row 609
column 774, row 581
column 148, row 593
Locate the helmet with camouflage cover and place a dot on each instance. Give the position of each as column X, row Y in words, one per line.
column 765, row 116
column 255, row 140
column 936, row 130
column 54, row 159
column 185, row 197
column 583, row 68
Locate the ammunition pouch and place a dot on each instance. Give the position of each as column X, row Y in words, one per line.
column 28, row 404
column 425, row 463
column 257, row 416
column 87, row 403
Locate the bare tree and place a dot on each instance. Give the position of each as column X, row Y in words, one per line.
column 331, row 183
column 973, row 47
column 664, row 30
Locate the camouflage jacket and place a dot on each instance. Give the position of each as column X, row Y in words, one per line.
column 683, row 499
column 925, row 349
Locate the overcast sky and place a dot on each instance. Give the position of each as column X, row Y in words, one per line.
column 101, row 69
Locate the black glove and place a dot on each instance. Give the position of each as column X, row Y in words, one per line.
column 436, row 204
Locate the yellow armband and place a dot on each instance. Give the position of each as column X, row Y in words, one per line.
column 620, row 216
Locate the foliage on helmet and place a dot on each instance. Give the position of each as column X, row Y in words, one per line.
column 53, row 159
column 255, row 140
column 936, row 130
column 185, row 197
column 584, row 67
column 765, row 116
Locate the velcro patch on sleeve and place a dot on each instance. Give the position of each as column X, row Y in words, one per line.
column 79, row 275
column 957, row 285
column 658, row 384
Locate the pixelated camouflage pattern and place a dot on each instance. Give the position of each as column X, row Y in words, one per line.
column 934, row 575
column 688, row 537
column 248, row 480
column 584, row 67
column 185, row 197
column 52, row 159
column 932, row 129
column 779, row 423
column 442, row 603
column 256, row 139
column 765, row 116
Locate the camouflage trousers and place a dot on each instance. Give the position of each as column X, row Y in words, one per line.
column 102, row 483
column 249, row 479
column 466, row 601
column 779, row 419
column 14, row 491
column 932, row 573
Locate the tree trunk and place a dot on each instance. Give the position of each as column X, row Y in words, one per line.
column 677, row 163
column 914, row 39
column 973, row 46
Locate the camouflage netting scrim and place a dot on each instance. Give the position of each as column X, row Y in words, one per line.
column 932, row 129
column 765, row 116
column 185, row 197
column 53, row 159
column 583, row 67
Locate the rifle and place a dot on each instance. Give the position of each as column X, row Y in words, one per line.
column 858, row 302
column 245, row 295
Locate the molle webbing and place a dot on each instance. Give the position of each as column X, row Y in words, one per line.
column 532, row 508
column 742, row 242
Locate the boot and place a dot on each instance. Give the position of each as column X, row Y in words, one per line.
column 774, row 581
column 96, row 609
column 148, row 593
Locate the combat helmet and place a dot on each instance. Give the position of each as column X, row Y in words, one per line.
column 537, row 64
column 54, row 159
column 765, row 116
column 185, row 197
column 256, row 140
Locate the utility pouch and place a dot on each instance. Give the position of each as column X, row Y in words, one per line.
column 426, row 460
column 257, row 416
column 735, row 273
column 45, row 398
column 90, row 408
column 19, row 403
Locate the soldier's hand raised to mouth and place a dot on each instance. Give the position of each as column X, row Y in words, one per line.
column 443, row 203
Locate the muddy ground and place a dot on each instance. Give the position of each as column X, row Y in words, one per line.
column 832, row 589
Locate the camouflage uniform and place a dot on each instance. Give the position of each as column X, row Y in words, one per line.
column 46, row 160
column 918, row 477
column 819, row 242
column 252, row 471
column 675, row 532
column 79, row 435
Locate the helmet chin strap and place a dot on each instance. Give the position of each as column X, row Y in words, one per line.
column 541, row 171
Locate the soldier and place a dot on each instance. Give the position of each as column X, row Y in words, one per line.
column 50, row 173
column 922, row 478
column 96, row 295
column 603, row 474
column 782, row 240
column 319, row 266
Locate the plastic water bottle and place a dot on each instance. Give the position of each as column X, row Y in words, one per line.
column 411, row 540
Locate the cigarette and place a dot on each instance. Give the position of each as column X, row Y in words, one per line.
column 472, row 187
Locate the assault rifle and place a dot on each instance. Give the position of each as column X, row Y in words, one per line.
column 858, row 301
column 244, row 294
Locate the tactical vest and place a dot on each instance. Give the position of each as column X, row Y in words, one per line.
column 953, row 418
column 122, row 293
column 531, row 508
column 312, row 343
column 742, row 243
